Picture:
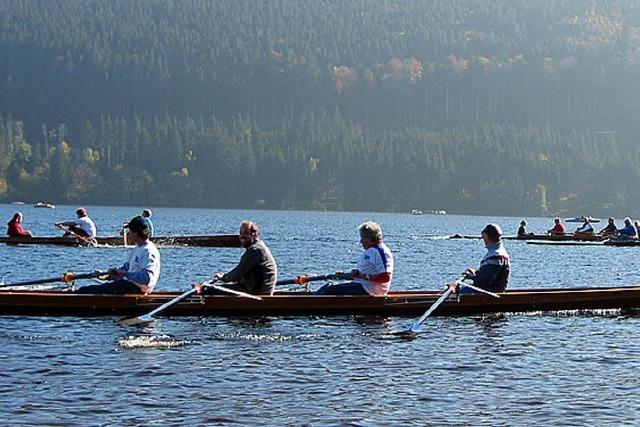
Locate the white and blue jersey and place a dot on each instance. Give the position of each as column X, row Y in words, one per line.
column 373, row 261
column 143, row 267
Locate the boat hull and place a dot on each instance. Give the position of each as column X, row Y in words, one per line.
column 222, row 240
column 299, row 303
column 549, row 237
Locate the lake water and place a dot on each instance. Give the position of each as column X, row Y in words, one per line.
column 483, row 370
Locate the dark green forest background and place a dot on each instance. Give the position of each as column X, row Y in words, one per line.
column 486, row 107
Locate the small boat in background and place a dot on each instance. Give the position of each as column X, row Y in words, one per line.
column 582, row 219
column 17, row 203
column 416, row 212
column 44, row 205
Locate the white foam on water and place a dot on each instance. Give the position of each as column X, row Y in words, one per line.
column 151, row 341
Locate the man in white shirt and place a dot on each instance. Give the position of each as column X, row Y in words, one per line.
column 82, row 226
column 140, row 274
column 375, row 267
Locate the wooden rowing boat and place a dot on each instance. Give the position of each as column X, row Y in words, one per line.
column 615, row 242
column 401, row 303
column 569, row 237
column 222, row 240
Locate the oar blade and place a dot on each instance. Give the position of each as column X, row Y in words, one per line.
column 411, row 332
column 136, row 321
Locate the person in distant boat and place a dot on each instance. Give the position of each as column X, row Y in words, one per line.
column 374, row 269
column 522, row 230
column 628, row 232
column 585, row 228
column 14, row 227
column 146, row 214
column 558, row 228
column 82, row 226
column 610, row 229
column 495, row 267
column 257, row 272
column 637, row 225
column 140, row 273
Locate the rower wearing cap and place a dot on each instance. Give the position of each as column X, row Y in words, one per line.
column 493, row 274
column 140, row 274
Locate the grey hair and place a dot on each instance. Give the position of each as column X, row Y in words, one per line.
column 371, row 230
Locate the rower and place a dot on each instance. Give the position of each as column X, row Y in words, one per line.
column 495, row 267
column 140, row 274
column 586, row 228
column 257, row 272
column 558, row 229
column 522, row 230
column 610, row 229
column 83, row 226
column 375, row 267
column 628, row 232
column 146, row 214
column 14, row 227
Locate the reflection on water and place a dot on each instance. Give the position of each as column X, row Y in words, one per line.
column 576, row 368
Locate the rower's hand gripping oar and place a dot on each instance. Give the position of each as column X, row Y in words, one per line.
column 68, row 278
column 197, row 289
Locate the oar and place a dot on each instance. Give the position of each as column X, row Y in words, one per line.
column 415, row 328
column 477, row 289
column 65, row 278
column 304, row 279
column 90, row 241
column 233, row 291
column 149, row 317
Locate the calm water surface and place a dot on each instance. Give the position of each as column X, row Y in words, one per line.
column 495, row 370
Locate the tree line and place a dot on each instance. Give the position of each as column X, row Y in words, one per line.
column 471, row 106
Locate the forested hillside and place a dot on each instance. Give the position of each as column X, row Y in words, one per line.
column 500, row 107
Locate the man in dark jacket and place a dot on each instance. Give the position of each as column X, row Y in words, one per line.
column 493, row 274
column 256, row 273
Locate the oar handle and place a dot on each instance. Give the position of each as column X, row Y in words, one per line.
column 68, row 277
column 303, row 279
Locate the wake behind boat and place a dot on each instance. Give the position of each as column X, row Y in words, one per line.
column 398, row 303
column 221, row 240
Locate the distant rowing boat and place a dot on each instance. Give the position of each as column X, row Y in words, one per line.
column 582, row 219
column 44, row 205
column 569, row 237
column 405, row 303
column 222, row 240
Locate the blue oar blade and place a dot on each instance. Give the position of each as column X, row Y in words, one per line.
column 415, row 328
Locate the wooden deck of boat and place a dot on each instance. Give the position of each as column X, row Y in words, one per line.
column 403, row 303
